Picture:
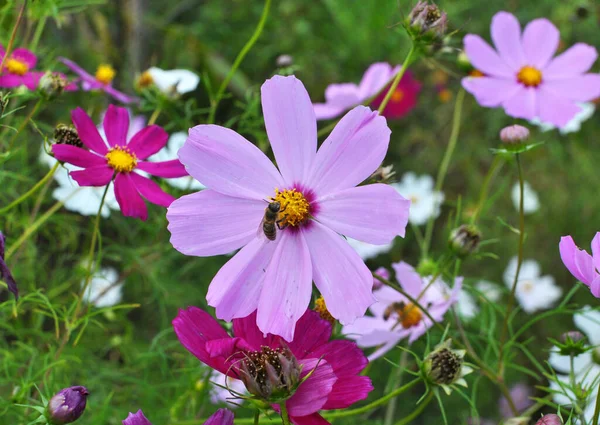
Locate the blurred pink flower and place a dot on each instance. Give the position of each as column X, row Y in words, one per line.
column 395, row 317
column 581, row 264
column 121, row 157
column 220, row 417
column 520, row 394
column 342, row 97
column 522, row 76
column 335, row 383
column 17, row 70
column 319, row 201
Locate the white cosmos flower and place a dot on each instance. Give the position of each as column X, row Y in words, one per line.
column 178, row 81
column 573, row 126
column 425, row 202
column 534, row 292
column 103, row 289
column 367, row 250
column 220, row 395
column 531, row 202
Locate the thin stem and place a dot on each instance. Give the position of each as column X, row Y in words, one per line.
column 13, row 35
column 397, row 79
column 597, row 409
column 396, row 381
column 445, row 163
column 256, row 417
column 494, row 168
column 154, row 116
column 38, row 33
column 24, row 123
column 285, row 418
column 417, row 411
column 238, row 61
column 31, row 191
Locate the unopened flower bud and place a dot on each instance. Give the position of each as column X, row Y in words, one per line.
column 574, row 336
column 464, row 240
column 67, row 405
column 284, row 61
column 427, row 267
column 571, row 343
column 52, row 84
column 383, row 273
column 427, row 19
column 137, row 418
column 514, row 134
column 551, row 419
column 444, row 366
column 67, row 135
column 383, row 174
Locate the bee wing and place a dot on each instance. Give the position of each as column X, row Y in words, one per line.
column 260, row 233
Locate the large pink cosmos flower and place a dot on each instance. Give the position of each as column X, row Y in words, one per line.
column 522, row 76
column 101, row 162
column 342, row 97
column 395, row 317
column 220, row 417
column 583, row 266
column 101, row 81
column 319, row 201
column 334, row 384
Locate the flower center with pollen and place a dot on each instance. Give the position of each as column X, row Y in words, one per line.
column 409, row 315
column 121, row 159
column 530, row 76
column 17, row 67
column 105, row 74
column 145, row 80
column 397, row 96
column 295, row 209
column 321, row 308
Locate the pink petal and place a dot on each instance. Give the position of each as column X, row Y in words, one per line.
column 24, row 55
column 77, row 156
column 78, row 70
column 246, row 329
column 287, row 287
column 151, row 191
column 523, row 104
column 314, row 419
column 228, row 163
column 582, row 88
column 116, row 125
column 375, row 78
column 339, row 273
column 291, row 126
column 344, row 95
column 555, row 108
column 490, row 92
column 409, row 279
column 572, row 62
column 10, row 80
column 120, row 96
column 221, row 417
column 100, row 175
column 194, row 328
column 323, row 111
column 577, row 261
column 167, row 169
column 312, row 394
column 540, row 42
column 506, row 33
column 31, row 80
column 148, row 141
column 130, row 201
column 137, row 418
column 311, row 332
column 486, row 59
column 595, row 287
column 88, row 133
column 351, row 153
column 235, row 289
column 596, row 250
column 375, row 213
column 208, row 223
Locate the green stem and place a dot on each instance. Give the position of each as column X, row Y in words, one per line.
column 417, row 411
column 238, row 61
column 597, row 409
column 24, row 123
column 38, row 33
column 397, row 79
column 256, row 417
column 445, row 163
column 13, row 35
column 396, row 381
column 494, row 168
column 285, row 418
column 154, row 116
column 31, row 191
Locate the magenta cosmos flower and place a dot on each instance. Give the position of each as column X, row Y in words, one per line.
column 522, row 76
column 120, row 158
column 318, row 202
column 395, row 317
column 342, row 97
column 102, row 80
column 582, row 265
column 334, row 384
column 220, row 417
column 17, row 69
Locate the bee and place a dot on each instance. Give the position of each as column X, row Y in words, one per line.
column 393, row 308
column 270, row 222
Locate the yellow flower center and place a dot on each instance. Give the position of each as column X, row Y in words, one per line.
column 476, row 73
column 295, row 209
column 397, row 96
column 321, row 308
column 409, row 315
column 145, row 80
column 445, row 95
column 15, row 66
column 105, row 74
column 121, row 159
column 530, row 76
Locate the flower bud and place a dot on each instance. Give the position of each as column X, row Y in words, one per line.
column 427, row 19
column 52, row 84
column 66, row 135
column 137, row 418
column 67, row 405
column 284, row 61
column 572, row 343
column 464, row 240
column 514, row 134
column 551, row 419
column 381, row 272
column 573, row 336
column 444, row 365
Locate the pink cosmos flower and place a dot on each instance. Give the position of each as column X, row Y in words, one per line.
column 102, row 80
column 220, row 417
column 582, row 265
column 522, row 76
column 17, row 70
column 342, row 97
column 395, row 317
column 318, row 200
column 118, row 157
column 334, row 384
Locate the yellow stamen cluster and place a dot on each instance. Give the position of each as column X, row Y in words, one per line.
column 145, row 80
column 321, row 308
column 397, row 96
column 15, row 66
column 121, row 159
column 105, row 74
column 530, row 76
column 295, row 209
column 410, row 315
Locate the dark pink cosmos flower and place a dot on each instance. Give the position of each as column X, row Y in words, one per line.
column 335, row 382
column 17, row 69
column 583, row 266
column 220, row 417
column 120, row 158
column 403, row 100
column 102, row 80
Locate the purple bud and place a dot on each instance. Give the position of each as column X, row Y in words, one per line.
column 67, row 405
column 428, row 18
column 573, row 336
column 551, row 419
column 381, row 271
column 221, row 417
column 514, row 134
column 136, row 418
column 5, row 273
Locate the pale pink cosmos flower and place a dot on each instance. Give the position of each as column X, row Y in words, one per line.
column 523, row 76
column 394, row 317
column 583, row 266
column 319, row 200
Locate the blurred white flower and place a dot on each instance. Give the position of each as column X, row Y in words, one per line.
column 103, row 290
column 573, row 126
column 367, row 250
column 220, row 395
column 425, row 202
column 178, row 81
column 531, row 202
column 534, row 292
column 489, row 290
column 466, row 306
